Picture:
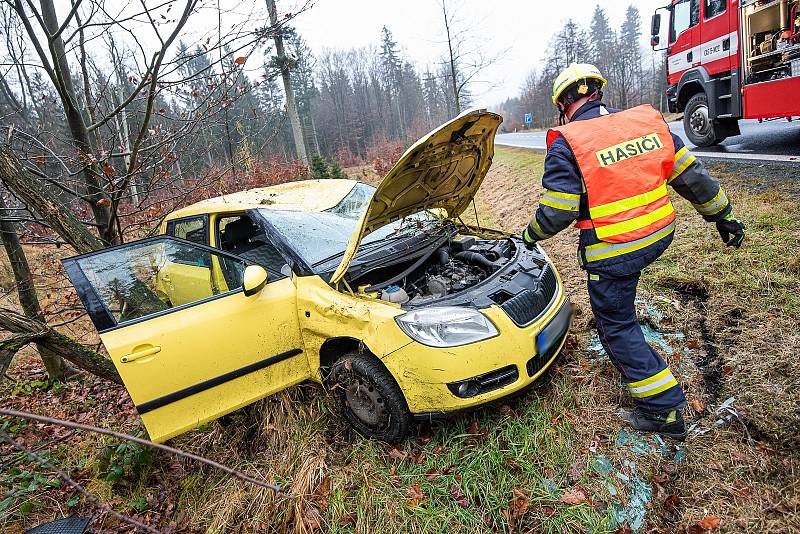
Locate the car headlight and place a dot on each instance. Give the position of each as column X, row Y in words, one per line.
column 446, row 326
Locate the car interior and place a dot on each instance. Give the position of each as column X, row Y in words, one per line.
column 240, row 236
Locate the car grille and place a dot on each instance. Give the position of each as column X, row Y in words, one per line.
column 525, row 307
column 536, row 363
column 486, row 382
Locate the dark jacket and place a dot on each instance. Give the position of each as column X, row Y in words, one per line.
column 564, row 201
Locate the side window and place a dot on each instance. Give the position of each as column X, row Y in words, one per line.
column 685, row 14
column 142, row 279
column 192, row 229
column 712, row 8
column 240, row 236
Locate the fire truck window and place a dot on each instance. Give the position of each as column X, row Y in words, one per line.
column 685, row 14
column 714, row 8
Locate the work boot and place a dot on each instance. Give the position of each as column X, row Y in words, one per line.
column 669, row 424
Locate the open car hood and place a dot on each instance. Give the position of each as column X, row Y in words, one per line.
column 442, row 170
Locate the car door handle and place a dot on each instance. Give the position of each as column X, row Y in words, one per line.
column 139, row 354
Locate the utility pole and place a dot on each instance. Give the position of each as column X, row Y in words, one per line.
column 291, row 104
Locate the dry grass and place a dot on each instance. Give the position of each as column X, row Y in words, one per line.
column 746, row 339
column 739, row 311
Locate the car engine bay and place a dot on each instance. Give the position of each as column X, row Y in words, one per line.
column 461, row 264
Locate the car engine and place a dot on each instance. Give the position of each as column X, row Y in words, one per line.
column 463, row 263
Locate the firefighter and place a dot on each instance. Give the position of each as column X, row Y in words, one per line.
column 609, row 171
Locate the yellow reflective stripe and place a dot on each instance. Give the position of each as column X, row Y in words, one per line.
column 602, row 251
column 680, row 153
column 612, row 208
column 558, row 205
column 649, row 380
column 538, row 229
column 713, row 206
column 653, row 385
column 683, row 158
column 566, row 196
column 561, row 201
column 634, row 224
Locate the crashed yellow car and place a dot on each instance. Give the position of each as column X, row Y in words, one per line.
column 381, row 294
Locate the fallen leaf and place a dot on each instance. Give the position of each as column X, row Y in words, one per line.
column 764, row 447
column 698, row 406
column 473, row 427
column 241, row 60
column 671, row 503
column 576, row 471
column 458, row 496
column 519, row 504
column 660, row 479
column 312, row 518
column 433, row 474
column 710, row 522
column 396, row 453
column 393, row 476
column 416, row 495
column 424, row 439
column 575, row 495
column 349, row 520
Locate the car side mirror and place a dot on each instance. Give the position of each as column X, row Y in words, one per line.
column 254, row 279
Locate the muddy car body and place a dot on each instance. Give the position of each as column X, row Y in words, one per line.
column 382, row 294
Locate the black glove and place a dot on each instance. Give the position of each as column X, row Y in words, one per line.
column 731, row 231
column 530, row 242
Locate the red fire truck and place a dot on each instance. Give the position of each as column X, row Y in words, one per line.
column 729, row 60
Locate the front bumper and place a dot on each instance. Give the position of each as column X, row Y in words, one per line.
column 427, row 375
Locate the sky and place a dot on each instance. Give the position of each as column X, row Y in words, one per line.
column 517, row 30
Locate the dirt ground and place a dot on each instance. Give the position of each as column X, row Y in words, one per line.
column 555, row 460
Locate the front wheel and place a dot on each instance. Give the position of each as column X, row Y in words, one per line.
column 369, row 398
column 700, row 128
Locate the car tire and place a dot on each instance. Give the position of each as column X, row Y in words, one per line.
column 699, row 127
column 369, row 398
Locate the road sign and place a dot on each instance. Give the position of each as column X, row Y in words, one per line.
column 529, row 118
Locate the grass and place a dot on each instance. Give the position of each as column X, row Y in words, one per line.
column 507, row 468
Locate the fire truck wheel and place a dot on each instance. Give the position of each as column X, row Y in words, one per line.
column 700, row 129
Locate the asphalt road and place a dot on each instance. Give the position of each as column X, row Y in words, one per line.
column 768, row 141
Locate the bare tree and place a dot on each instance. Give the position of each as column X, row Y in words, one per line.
column 284, row 62
column 466, row 57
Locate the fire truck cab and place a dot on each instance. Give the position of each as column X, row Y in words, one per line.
column 729, row 60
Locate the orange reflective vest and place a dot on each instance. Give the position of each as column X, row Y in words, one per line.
column 625, row 159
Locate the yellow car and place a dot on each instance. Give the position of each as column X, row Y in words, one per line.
column 381, row 294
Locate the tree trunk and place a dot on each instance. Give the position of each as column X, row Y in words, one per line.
column 291, row 105
column 453, row 69
column 43, row 203
column 28, row 330
column 56, row 368
column 97, row 198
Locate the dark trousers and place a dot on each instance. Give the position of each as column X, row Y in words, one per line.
column 649, row 380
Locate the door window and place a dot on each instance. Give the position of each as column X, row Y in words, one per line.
column 685, row 14
column 150, row 277
column 239, row 235
column 192, row 229
column 714, row 8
